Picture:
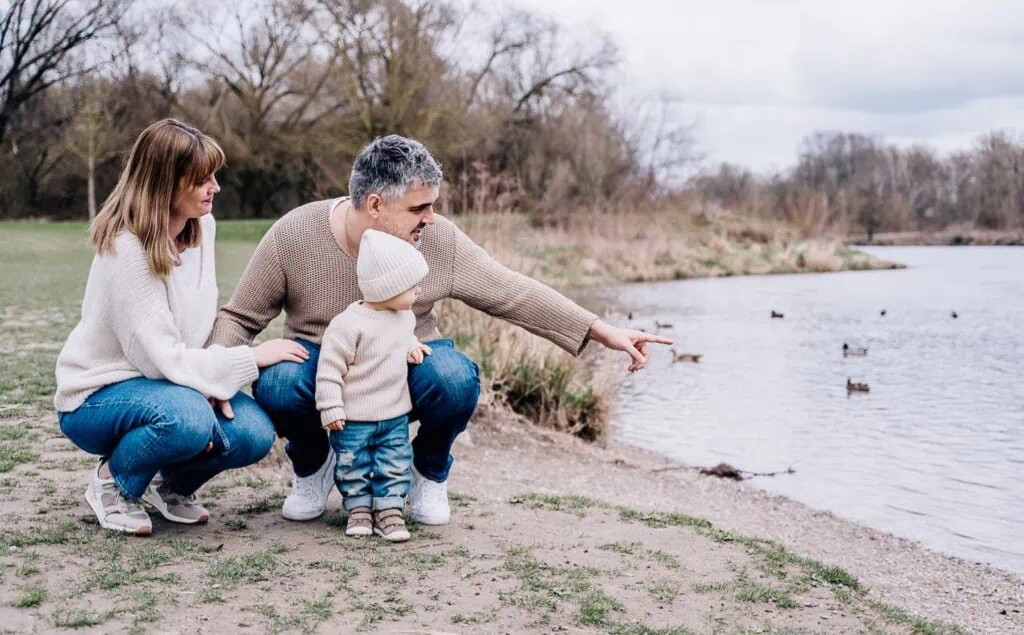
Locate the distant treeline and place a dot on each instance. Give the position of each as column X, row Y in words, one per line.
column 524, row 115
column 515, row 107
column 850, row 182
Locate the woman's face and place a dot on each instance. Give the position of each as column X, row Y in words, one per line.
column 195, row 202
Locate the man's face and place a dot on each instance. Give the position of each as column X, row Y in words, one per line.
column 406, row 217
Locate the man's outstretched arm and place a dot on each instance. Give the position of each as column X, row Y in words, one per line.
column 485, row 284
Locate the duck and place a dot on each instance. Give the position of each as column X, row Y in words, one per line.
column 852, row 386
column 661, row 325
column 685, row 357
column 777, row 315
column 629, row 316
column 853, row 352
column 882, row 313
column 955, row 315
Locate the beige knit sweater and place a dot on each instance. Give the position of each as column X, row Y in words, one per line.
column 137, row 324
column 362, row 374
column 299, row 267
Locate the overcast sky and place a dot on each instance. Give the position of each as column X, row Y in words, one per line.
column 760, row 74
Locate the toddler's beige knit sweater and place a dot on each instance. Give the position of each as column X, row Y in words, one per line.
column 362, row 374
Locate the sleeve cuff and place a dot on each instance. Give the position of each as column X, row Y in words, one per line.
column 243, row 366
column 331, row 415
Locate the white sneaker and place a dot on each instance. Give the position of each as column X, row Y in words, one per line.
column 428, row 501
column 174, row 507
column 115, row 511
column 309, row 493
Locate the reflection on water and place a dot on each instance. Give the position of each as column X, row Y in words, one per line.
column 935, row 452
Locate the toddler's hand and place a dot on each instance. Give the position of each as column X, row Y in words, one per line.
column 335, row 425
column 417, row 352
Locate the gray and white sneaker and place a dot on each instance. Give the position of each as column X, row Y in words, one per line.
column 174, row 507
column 113, row 510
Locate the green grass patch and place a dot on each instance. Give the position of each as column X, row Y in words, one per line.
column 541, row 586
column 625, row 548
column 390, row 607
column 660, row 520
column 262, row 505
column 31, row 598
column 664, row 591
column 482, row 617
column 79, row 618
column 233, row 571
column 62, row 533
column 711, row 587
column 917, row 624
column 578, row 505
column 762, row 593
column 664, row 558
column 13, row 454
column 209, row 595
column 643, row 629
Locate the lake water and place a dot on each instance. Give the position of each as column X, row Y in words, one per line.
column 935, row 451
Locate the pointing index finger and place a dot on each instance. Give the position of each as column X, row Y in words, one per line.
column 656, row 339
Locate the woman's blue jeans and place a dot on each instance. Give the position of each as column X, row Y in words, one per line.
column 144, row 426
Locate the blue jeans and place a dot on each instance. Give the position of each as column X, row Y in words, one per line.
column 381, row 448
column 144, row 426
column 444, row 391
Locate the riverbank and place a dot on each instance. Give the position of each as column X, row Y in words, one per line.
column 947, row 237
column 657, row 246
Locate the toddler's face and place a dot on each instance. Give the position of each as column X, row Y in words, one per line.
column 404, row 301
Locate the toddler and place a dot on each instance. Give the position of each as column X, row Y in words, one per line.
column 362, row 389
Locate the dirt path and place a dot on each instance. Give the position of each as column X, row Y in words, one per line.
column 548, row 535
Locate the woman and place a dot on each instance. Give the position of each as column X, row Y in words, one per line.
column 134, row 383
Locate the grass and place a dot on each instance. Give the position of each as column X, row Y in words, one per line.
column 541, row 586
column 660, row 520
column 233, row 571
column 79, row 618
column 761, row 593
column 31, row 598
column 664, row 591
column 917, row 624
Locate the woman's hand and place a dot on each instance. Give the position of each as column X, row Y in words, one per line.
column 417, row 352
column 335, row 425
column 280, row 350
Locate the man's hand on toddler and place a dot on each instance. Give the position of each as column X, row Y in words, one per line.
column 417, row 352
column 335, row 425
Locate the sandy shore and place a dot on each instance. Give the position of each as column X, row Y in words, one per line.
column 549, row 535
column 898, row 571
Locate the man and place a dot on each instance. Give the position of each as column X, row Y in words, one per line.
column 306, row 264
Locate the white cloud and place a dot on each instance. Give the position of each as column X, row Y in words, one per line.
column 761, row 75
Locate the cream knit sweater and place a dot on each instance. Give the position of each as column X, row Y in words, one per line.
column 362, row 374
column 137, row 324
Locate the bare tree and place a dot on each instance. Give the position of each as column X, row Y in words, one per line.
column 36, row 40
column 95, row 133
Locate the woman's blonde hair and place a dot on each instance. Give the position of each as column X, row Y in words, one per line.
column 168, row 155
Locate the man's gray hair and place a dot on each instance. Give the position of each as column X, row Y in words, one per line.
column 389, row 166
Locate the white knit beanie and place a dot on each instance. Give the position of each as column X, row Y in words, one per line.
column 387, row 266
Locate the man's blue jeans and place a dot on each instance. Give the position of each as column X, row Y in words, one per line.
column 144, row 426
column 444, row 391
column 378, row 447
